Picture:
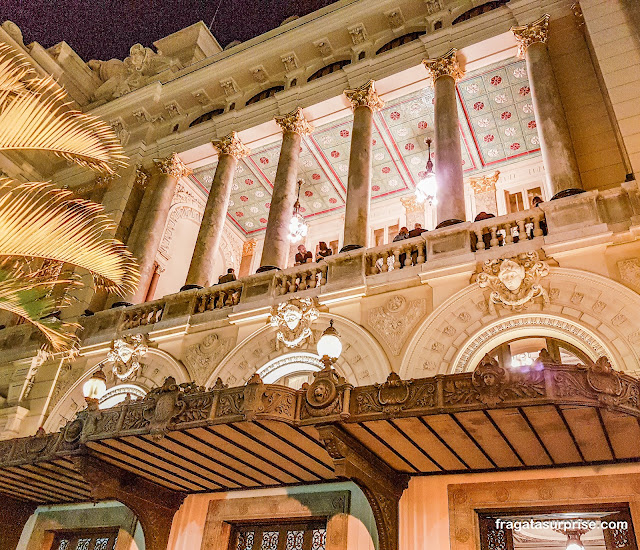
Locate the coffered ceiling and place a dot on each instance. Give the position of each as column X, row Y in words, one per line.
column 497, row 126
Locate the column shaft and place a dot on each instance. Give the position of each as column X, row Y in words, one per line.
column 147, row 230
column 448, row 153
column 215, row 213
column 558, row 155
column 356, row 217
column 276, row 248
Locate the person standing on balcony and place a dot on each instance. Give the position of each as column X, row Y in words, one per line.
column 415, row 232
column 323, row 251
column 404, row 234
column 230, row 276
column 303, row 256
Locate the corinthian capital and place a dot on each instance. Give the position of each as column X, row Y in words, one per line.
column 446, row 65
column 173, row 166
column 538, row 31
column 294, row 122
column 231, row 145
column 365, row 96
column 482, row 184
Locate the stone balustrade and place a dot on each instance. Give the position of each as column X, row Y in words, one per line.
column 593, row 214
column 218, row 297
column 301, row 278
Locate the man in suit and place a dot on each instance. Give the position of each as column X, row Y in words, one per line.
column 230, row 276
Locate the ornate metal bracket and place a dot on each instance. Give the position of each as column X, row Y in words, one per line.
column 382, row 485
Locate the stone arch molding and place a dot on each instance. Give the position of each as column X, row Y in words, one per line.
column 67, row 398
column 595, row 312
column 362, row 361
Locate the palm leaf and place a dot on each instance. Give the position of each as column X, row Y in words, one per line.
column 35, row 116
column 29, row 297
column 39, row 221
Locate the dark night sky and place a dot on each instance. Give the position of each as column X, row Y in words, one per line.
column 103, row 29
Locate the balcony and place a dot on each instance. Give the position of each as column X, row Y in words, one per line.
column 593, row 217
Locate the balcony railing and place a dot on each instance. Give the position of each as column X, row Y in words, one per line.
column 565, row 220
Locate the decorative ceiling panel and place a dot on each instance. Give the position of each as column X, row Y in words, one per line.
column 497, row 127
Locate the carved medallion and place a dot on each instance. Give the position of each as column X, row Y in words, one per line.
column 125, row 355
column 514, row 281
column 325, row 395
column 203, row 357
column 293, row 320
column 394, row 321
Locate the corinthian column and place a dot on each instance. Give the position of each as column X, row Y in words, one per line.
column 230, row 149
column 148, row 228
column 445, row 71
column 558, row 156
column 276, row 248
column 364, row 101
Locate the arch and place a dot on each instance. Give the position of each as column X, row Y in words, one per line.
column 67, row 398
column 264, row 94
column 281, row 366
column 479, row 10
column 328, row 69
column 206, row 116
column 593, row 310
column 400, row 41
column 362, row 362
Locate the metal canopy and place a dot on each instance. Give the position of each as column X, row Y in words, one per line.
column 190, row 440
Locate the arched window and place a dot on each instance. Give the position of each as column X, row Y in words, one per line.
column 328, row 69
column 479, row 10
column 264, row 94
column 118, row 394
column 400, row 41
column 292, row 370
column 206, row 116
column 522, row 352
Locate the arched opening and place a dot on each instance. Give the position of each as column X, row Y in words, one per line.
column 479, row 10
column 116, row 395
column 264, row 94
column 291, row 370
column 206, row 116
column 328, row 69
column 524, row 351
column 401, row 41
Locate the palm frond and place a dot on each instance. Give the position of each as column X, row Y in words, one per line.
column 39, row 221
column 35, row 115
column 30, row 299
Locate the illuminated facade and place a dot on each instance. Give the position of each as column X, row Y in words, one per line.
column 488, row 366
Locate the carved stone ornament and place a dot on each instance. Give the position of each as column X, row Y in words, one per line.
column 142, row 178
column 395, row 18
column 139, row 69
column 324, row 47
column 446, row 65
column 259, row 74
column 125, row 355
column 173, row 166
column 293, row 320
column 325, row 395
column 249, row 247
column 514, row 281
column 536, row 32
column 365, row 96
column 229, row 87
column 433, row 6
column 202, row 358
column 483, row 184
column 290, row 62
column 294, row 122
column 630, row 271
column 358, row 34
column 394, row 321
column 231, row 145
column 603, row 379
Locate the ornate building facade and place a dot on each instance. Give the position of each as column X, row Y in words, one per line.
column 488, row 369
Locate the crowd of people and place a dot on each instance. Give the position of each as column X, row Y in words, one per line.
column 305, row 256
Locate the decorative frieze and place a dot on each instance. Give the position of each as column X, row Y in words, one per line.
column 446, row 65
column 294, row 122
column 173, row 166
column 365, row 96
column 231, row 145
column 536, row 32
column 483, row 184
